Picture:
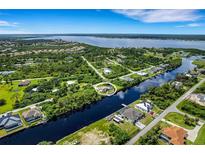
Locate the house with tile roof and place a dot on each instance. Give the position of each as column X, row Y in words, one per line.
column 173, row 135
column 32, row 115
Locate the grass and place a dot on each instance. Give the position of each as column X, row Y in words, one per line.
column 178, row 119
column 192, row 109
column 10, row 93
column 128, row 127
column 200, row 140
column 159, row 124
column 148, row 118
column 200, row 63
column 100, row 125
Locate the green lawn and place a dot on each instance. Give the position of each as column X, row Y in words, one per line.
column 192, row 108
column 200, row 140
column 148, row 118
column 177, row 119
column 10, row 93
column 128, row 127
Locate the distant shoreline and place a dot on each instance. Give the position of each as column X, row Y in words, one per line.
column 122, row 36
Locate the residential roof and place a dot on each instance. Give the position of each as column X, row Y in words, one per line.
column 32, row 113
column 144, row 106
column 131, row 114
column 24, row 83
column 10, row 121
column 201, row 97
column 175, row 134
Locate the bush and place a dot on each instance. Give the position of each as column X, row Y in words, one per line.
column 119, row 136
column 2, row 102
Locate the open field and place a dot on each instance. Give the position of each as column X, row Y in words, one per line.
column 11, row 92
column 178, row 119
column 192, row 108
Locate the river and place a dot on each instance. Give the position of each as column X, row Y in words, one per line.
column 134, row 42
column 67, row 124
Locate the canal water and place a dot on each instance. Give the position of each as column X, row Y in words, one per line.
column 67, row 124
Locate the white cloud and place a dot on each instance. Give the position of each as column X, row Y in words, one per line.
column 154, row 16
column 191, row 25
column 7, row 24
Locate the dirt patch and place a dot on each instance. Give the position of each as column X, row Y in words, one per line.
column 95, row 137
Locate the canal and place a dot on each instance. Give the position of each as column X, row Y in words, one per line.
column 69, row 123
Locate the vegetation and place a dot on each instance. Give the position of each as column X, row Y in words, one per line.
column 181, row 120
column 200, row 63
column 152, row 136
column 201, row 89
column 165, row 95
column 200, row 140
column 192, row 108
column 45, row 143
column 2, row 102
column 118, row 135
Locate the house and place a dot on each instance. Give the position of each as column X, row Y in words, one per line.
column 155, row 69
column 32, row 115
column 131, row 114
column 141, row 73
column 145, row 106
column 24, row 83
column 4, row 73
column 10, row 122
column 191, row 75
column 177, row 85
column 104, row 88
column 127, row 78
column 69, row 83
column 198, row 98
column 188, row 75
column 107, row 71
column 35, row 89
column 173, row 135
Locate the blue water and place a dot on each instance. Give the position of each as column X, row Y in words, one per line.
column 67, row 124
column 125, row 42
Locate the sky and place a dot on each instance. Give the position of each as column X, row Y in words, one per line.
column 102, row 21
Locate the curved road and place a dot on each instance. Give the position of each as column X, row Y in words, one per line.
column 171, row 108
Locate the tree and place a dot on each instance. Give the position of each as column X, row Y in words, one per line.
column 2, row 102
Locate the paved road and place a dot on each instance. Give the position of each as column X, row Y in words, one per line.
column 171, row 108
column 94, row 68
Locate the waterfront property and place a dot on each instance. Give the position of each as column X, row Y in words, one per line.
column 145, row 106
column 173, row 135
column 131, row 114
column 32, row 115
column 177, row 84
column 10, row 122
